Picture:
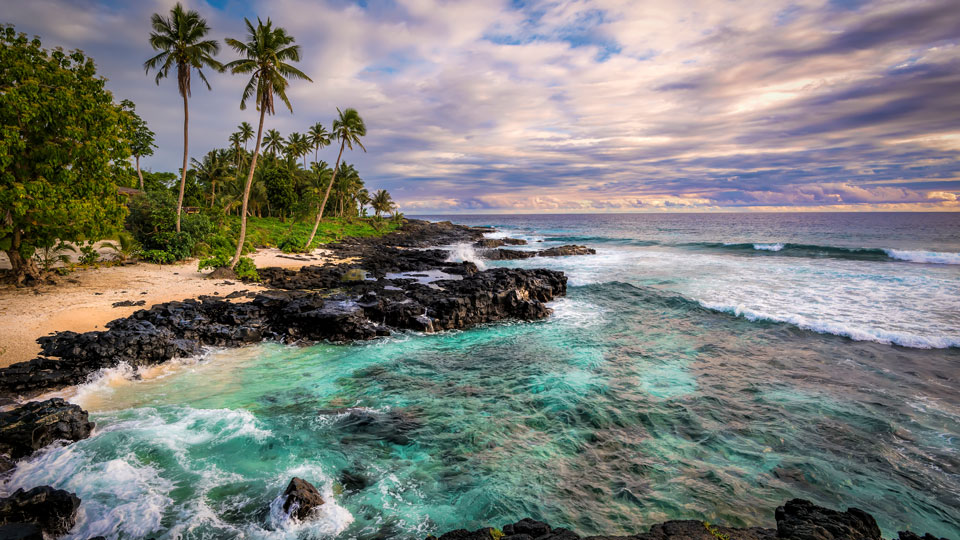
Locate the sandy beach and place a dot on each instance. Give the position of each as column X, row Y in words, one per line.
column 83, row 300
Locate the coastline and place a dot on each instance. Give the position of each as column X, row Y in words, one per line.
column 83, row 300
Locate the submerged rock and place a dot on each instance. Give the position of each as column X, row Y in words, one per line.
column 797, row 519
column 300, row 499
column 21, row 531
column 54, row 511
column 34, row 425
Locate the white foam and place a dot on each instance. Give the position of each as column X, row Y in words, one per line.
column 904, row 339
column 928, row 257
column 330, row 519
column 768, row 247
column 464, row 252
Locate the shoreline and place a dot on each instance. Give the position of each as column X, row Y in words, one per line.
column 83, row 300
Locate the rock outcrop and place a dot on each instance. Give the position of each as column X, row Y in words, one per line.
column 34, row 425
column 797, row 519
column 559, row 251
column 54, row 511
column 300, row 499
column 498, row 242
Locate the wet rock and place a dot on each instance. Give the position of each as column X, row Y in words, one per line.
column 20, row 531
column 129, row 303
column 6, row 464
column 799, row 519
column 300, row 499
column 34, row 425
column 498, row 242
column 507, row 254
column 563, row 251
column 53, row 510
column 907, row 535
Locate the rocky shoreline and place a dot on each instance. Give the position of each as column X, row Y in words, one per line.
column 399, row 282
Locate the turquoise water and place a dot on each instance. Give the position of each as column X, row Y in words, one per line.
column 632, row 404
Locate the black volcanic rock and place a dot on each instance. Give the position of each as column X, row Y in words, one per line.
column 796, row 520
column 300, row 499
column 564, row 251
column 53, row 510
column 498, row 242
column 34, row 425
column 507, row 254
column 799, row 519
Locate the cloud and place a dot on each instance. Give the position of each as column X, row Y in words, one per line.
column 588, row 105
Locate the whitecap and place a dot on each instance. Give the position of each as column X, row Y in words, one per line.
column 464, row 252
column 768, row 247
column 928, row 257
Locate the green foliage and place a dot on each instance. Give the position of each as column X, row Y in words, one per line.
column 292, row 243
column 714, row 532
column 217, row 261
column 88, row 254
column 49, row 256
column 63, row 149
column 125, row 248
column 496, row 534
column 158, row 256
column 246, row 270
column 279, row 184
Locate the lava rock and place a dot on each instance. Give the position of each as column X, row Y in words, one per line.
column 799, row 519
column 498, row 242
column 34, row 425
column 21, row 531
column 129, row 303
column 507, row 254
column 563, row 251
column 53, row 510
column 300, row 499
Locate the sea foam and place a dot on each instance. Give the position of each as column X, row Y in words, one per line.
column 928, row 257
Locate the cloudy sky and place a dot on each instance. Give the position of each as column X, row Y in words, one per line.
column 586, row 105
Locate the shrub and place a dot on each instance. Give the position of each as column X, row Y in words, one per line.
column 246, row 269
column 217, row 261
column 292, row 243
column 88, row 254
column 158, row 256
column 178, row 244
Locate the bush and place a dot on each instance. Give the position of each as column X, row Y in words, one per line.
column 178, row 244
column 292, row 243
column 88, row 254
column 246, row 270
column 158, row 256
column 217, row 261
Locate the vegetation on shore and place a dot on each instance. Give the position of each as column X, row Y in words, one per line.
column 67, row 148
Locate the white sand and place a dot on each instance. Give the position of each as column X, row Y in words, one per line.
column 83, row 300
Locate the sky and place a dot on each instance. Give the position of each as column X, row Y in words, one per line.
column 581, row 106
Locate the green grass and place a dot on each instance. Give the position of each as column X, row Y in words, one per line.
column 267, row 232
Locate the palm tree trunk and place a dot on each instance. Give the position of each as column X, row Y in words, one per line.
column 183, row 173
column 246, row 192
column 325, row 195
column 140, row 174
column 213, row 193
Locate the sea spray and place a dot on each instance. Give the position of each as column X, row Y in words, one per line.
column 464, row 252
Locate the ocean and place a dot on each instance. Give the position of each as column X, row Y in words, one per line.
column 702, row 366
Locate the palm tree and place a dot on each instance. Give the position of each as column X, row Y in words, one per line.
column 179, row 38
column 381, row 202
column 298, row 146
column 273, row 142
column 235, row 140
column 265, row 56
column 246, row 133
column 214, row 167
column 349, row 127
column 363, row 199
column 319, row 138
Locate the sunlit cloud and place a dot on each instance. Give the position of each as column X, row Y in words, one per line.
column 588, row 105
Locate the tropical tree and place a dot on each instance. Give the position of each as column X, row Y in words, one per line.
column 215, row 167
column 348, row 128
column 246, row 133
column 273, row 142
column 382, row 203
column 265, row 56
column 236, row 139
column 63, row 151
column 141, row 138
column 179, row 38
column 298, row 146
column 319, row 138
column 363, row 199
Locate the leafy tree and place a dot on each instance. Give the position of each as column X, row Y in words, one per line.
column 141, row 138
column 348, row 128
column 279, row 185
column 382, row 202
column 179, row 38
column 63, row 150
column 213, row 168
column 265, row 56
column 158, row 180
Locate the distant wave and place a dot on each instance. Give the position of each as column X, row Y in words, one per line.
column 824, row 327
column 785, row 249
